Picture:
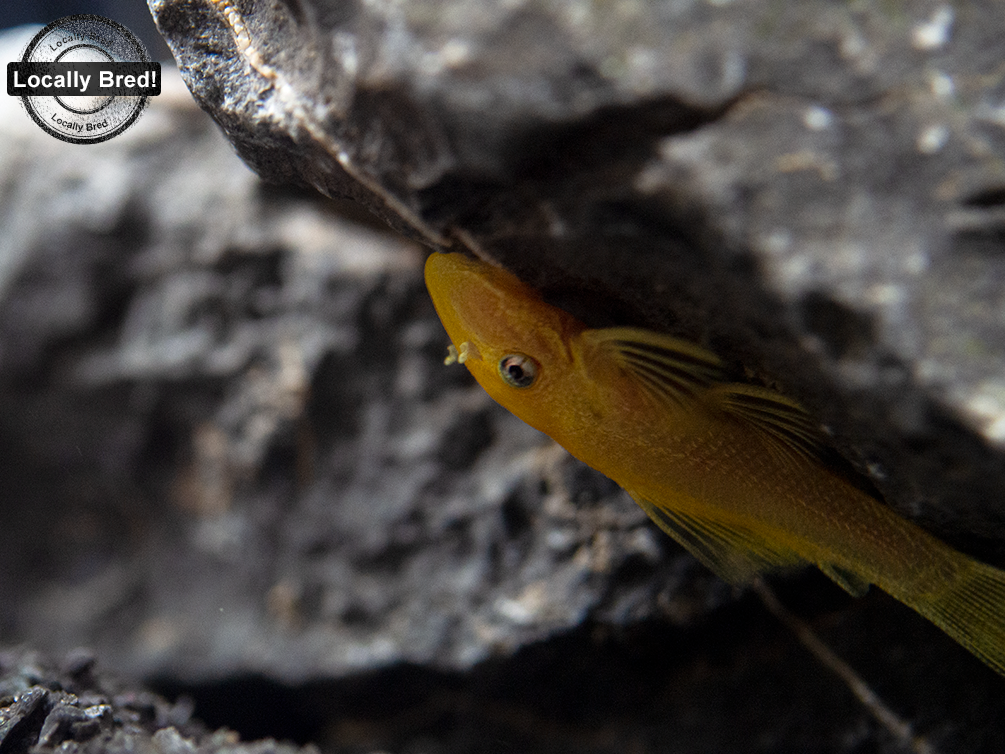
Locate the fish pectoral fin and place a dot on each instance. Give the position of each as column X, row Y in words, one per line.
column 851, row 582
column 780, row 419
column 735, row 555
column 666, row 367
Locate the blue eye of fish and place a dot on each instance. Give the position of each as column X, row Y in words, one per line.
column 518, row 370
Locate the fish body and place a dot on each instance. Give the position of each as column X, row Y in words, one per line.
column 731, row 471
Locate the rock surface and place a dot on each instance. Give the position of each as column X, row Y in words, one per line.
column 813, row 189
column 206, row 375
column 231, row 450
column 74, row 707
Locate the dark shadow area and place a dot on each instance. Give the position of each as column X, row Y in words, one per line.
column 650, row 687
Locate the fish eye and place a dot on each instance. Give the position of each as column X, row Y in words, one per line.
column 518, row 370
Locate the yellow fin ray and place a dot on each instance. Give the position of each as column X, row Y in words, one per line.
column 971, row 609
column 666, row 367
column 851, row 582
column 735, row 555
column 779, row 418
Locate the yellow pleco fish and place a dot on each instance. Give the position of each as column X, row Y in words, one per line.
column 731, row 471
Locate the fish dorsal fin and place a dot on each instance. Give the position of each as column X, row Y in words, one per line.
column 851, row 582
column 735, row 555
column 668, row 368
column 780, row 419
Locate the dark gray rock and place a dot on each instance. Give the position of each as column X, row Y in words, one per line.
column 80, row 709
column 232, row 445
column 812, row 189
column 231, row 449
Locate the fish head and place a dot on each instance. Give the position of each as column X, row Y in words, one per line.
column 517, row 346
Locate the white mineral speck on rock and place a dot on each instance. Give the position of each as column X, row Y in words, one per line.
column 941, row 84
column 933, row 138
column 933, row 33
column 817, row 118
column 987, row 407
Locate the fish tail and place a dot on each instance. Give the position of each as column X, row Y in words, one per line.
column 970, row 608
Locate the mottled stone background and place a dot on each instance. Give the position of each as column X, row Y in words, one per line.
column 235, row 466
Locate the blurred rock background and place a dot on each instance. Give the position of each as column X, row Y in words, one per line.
column 235, row 466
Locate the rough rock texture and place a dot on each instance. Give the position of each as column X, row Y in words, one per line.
column 814, row 189
column 73, row 707
column 233, row 461
column 233, row 446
